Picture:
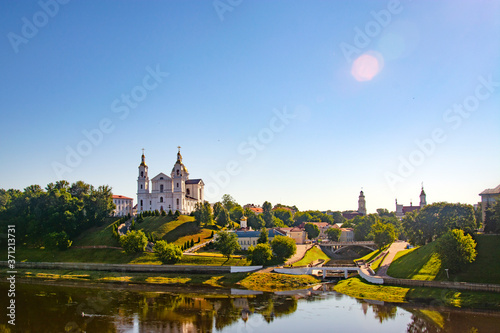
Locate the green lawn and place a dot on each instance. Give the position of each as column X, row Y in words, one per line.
column 423, row 263
column 102, row 235
column 273, row 281
column 357, row 287
column 311, row 255
column 178, row 231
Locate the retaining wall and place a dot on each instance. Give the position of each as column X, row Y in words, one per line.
column 444, row 284
column 191, row 269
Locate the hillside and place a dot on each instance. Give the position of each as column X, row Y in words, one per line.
column 423, row 263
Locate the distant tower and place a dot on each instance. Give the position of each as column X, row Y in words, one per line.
column 142, row 183
column 179, row 176
column 423, row 201
column 361, row 204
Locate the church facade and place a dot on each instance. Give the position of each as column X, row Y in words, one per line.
column 164, row 193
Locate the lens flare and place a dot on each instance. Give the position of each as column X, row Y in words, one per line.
column 367, row 66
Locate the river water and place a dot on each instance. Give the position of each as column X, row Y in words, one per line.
column 123, row 308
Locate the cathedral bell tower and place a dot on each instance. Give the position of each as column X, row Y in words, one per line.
column 361, row 204
column 423, row 200
column 179, row 176
column 143, row 179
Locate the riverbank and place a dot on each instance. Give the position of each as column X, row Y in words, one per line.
column 358, row 288
column 252, row 281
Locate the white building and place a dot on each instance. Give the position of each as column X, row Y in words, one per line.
column 488, row 198
column 124, row 205
column 176, row 192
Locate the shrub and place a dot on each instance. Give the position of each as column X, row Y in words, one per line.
column 456, row 250
column 134, row 241
column 167, row 253
column 57, row 240
column 260, row 254
column 283, row 247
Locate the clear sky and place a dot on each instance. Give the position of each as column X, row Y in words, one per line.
column 295, row 102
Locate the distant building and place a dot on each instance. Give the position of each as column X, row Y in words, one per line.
column 347, row 235
column 350, row 214
column 254, row 208
column 247, row 238
column 124, row 205
column 176, row 192
column 401, row 210
column 488, row 197
column 322, row 226
column 295, row 233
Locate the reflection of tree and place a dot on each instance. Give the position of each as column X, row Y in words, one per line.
column 420, row 325
column 226, row 314
column 384, row 312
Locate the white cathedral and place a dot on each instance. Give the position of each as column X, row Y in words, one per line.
column 176, row 192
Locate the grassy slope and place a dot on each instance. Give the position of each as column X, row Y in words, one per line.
column 424, row 264
column 359, row 288
column 311, row 255
column 102, row 235
column 177, row 231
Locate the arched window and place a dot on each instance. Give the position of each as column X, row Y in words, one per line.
column 142, row 173
column 177, row 172
column 161, row 188
column 141, row 203
column 188, row 192
column 161, row 199
column 141, row 187
column 177, row 184
column 177, row 201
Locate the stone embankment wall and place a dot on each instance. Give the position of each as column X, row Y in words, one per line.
column 191, row 269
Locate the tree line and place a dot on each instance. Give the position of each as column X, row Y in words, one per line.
column 60, row 208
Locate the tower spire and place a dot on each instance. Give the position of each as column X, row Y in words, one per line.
column 179, row 156
column 143, row 158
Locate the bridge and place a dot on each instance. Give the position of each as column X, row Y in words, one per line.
column 337, row 246
column 315, row 270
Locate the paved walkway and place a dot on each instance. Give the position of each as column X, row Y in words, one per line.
column 393, row 250
column 301, row 252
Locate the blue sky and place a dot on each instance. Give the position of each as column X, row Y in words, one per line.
column 302, row 102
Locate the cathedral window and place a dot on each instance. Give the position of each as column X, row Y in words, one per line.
column 161, row 199
column 141, row 187
column 142, row 173
column 188, row 192
column 177, row 172
column 141, row 203
column 161, row 188
column 177, row 184
column 177, row 201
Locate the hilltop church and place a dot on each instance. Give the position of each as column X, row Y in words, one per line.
column 176, row 192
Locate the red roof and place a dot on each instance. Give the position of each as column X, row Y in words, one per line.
column 257, row 210
column 121, row 197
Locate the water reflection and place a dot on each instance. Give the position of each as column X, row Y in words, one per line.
column 44, row 308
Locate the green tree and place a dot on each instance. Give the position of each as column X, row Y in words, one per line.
column 301, row 217
column 492, row 217
column 362, row 226
column 228, row 202
column 261, row 254
column 334, row 234
column 255, row 221
column 312, row 231
column 283, row 247
column 456, row 249
column 223, row 218
column 58, row 240
column 203, row 213
column 134, row 241
column 383, row 234
column 284, row 215
column 167, row 253
column 217, row 209
column 226, row 243
column 338, row 217
column 267, row 214
column 236, row 213
column 263, row 237
column 434, row 220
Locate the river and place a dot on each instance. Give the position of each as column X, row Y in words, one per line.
column 122, row 308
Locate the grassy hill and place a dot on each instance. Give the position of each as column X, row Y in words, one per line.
column 311, row 255
column 173, row 230
column 176, row 231
column 423, row 263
